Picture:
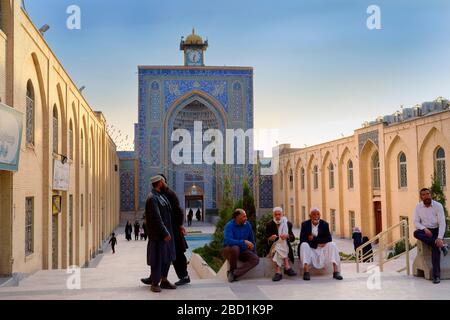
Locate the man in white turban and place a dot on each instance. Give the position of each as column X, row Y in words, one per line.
column 316, row 246
column 279, row 235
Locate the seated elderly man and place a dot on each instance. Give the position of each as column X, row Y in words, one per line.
column 239, row 244
column 279, row 235
column 316, row 246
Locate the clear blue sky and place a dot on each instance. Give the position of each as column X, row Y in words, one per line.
column 319, row 71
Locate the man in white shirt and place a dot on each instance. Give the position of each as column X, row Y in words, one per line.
column 429, row 220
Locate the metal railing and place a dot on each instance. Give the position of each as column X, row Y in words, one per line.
column 384, row 243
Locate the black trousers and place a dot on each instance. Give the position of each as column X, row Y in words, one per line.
column 180, row 264
column 435, row 251
column 159, row 271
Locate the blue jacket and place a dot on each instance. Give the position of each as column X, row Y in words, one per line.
column 234, row 235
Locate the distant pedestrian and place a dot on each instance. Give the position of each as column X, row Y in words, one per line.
column 357, row 237
column 198, row 215
column 113, row 242
column 136, row 230
column 144, row 226
column 367, row 250
column 190, row 216
column 128, row 231
column 141, row 233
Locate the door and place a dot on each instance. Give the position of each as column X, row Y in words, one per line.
column 55, row 241
column 378, row 221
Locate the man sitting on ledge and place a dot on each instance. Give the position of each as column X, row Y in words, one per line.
column 429, row 220
column 239, row 244
column 279, row 235
column 316, row 246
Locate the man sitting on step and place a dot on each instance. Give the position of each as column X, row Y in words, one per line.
column 239, row 244
column 316, row 246
column 279, row 235
column 429, row 219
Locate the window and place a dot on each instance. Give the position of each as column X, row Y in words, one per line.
column 376, row 171
column 352, row 221
column 291, row 179
column 302, row 178
column 281, row 180
column 331, row 175
column 30, row 114
column 55, row 129
column 82, row 148
column 440, row 166
column 29, row 217
column 71, row 140
column 402, row 230
column 333, row 220
column 402, row 171
column 350, row 174
column 316, row 177
column 303, row 213
column 82, row 210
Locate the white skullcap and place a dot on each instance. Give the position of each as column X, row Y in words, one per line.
column 156, row 178
column 314, row 209
column 278, row 209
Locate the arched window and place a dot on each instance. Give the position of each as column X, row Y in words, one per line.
column 30, row 113
column 316, row 177
column 82, row 147
column 402, row 171
column 350, row 174
column 376, row 171
column 302, row 178
column 331, row 175
column 291, row 179
column 440, row 166
column 281, row 180
column 71, row 140
column 55, row 129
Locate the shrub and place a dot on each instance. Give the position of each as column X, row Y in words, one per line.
column 262, row 247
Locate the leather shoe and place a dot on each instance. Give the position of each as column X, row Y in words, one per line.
column 337, row 276
column 183, row 281
column 436, row 280
column 231, row 277
column 290, row 272
column 306, row 276
column 155, row 288
column 146, row 281
column 277, row 277
column 167, row 285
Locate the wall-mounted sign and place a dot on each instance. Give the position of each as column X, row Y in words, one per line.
column 11, row 125
column 60, row 175
column 56, row 204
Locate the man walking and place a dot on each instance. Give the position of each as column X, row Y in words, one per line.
column 177, row 218
column 161, row 246
column 429, row 220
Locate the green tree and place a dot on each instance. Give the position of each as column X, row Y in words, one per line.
column 262, row 247
column 211, row 252
column 437, row 193
column 248, row 204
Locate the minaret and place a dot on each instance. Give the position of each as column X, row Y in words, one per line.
column 194, row 50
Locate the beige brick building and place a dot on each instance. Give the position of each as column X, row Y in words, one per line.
column 372, row 178
column 58, row 124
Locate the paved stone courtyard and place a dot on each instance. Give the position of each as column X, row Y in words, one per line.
column 116, row 276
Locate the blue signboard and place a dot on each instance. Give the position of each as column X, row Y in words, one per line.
column 11, row 126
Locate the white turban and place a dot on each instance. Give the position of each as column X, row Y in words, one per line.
column 277, row 209
column 315, row 209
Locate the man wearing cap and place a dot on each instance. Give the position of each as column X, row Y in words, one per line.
column 161, row 246
column 316, row 246
column 177, row 217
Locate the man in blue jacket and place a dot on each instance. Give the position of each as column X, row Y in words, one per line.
column 239, row 244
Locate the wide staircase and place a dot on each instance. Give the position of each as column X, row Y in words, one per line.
column 117, row 277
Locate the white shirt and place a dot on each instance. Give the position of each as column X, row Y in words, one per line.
column 430, row 217
column 315, row 229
